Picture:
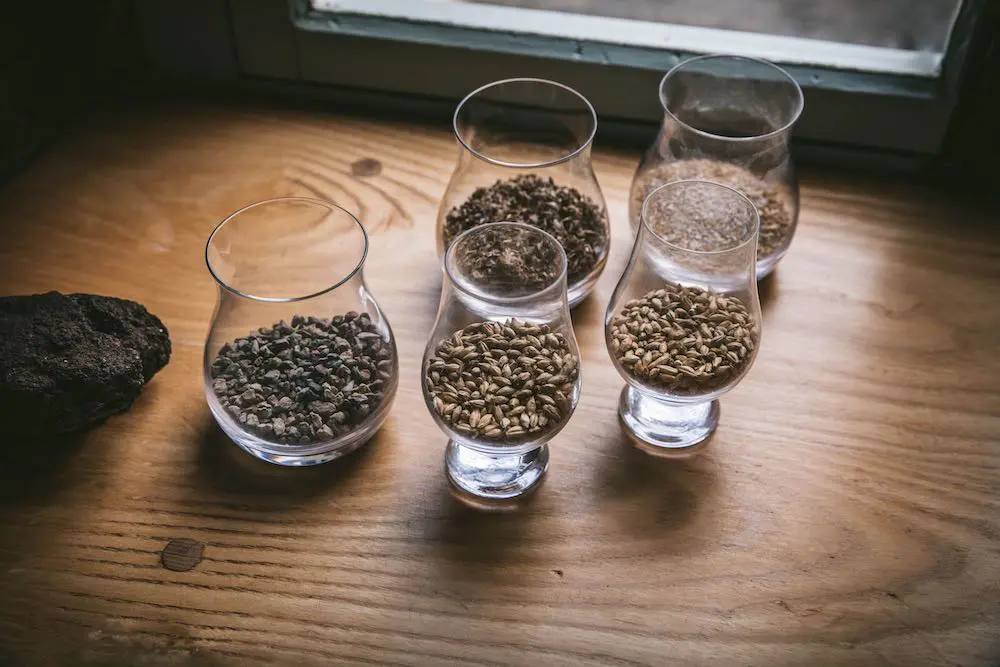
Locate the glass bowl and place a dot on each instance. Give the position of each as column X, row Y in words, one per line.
column 300, row 363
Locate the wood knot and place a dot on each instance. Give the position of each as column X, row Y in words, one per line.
column 366, row 167
column 182, row 554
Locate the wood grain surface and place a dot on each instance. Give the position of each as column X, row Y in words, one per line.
column 846, row 513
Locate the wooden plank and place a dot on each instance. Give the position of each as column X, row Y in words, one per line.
column 846, row 513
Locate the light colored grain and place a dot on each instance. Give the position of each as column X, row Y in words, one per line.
column 671, row 339
column 771, row 200
column 533, row 380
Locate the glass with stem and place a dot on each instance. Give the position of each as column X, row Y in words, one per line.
column 683, row 325
column 501, row 370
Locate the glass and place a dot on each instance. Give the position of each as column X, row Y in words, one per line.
column 501, row 371
column 683, row 325
column 728, row 119
column 521, row 133
column 300, row 363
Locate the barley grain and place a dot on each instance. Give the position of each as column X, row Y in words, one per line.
column 513, row 394
column 695, row 352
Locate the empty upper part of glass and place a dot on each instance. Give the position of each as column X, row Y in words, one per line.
column 728, row 119
column 525, row 123
column 525, row 157
column 300, row 363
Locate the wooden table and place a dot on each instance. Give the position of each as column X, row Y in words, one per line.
column 846, row 513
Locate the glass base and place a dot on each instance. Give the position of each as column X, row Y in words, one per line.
column 494, row 480
column 663, row 429
column 293, row 455
column 308, row 457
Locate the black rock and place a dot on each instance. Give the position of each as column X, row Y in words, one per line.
column 69, row 361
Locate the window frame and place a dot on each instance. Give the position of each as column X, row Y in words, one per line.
column 599, row 39
column 285, row 46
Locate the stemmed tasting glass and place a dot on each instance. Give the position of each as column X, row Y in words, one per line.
column 540, row 129
column 728, row 119
column 683, row 325
column 278, row 263
column 512, row 379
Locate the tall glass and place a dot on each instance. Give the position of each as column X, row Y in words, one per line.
column 683, row 324
column 501, row 371
column 525, row 157
column 300, row 362
column 728, row 119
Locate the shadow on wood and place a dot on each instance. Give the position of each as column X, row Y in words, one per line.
column 652, row 498
column 463, row 536
column 226, row 467
column 36, row 469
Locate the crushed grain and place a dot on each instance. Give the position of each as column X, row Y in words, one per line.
column 772, row 204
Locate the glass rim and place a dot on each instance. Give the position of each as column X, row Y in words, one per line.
column 800, row 97
column 329, row 206
column 751, row 236
column 526, row 165
column 467, row 288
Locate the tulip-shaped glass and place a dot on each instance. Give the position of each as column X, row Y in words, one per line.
column 501, row 372
column 525, row 156
column 683, row 325
column 728, row 119
column 300, row 363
